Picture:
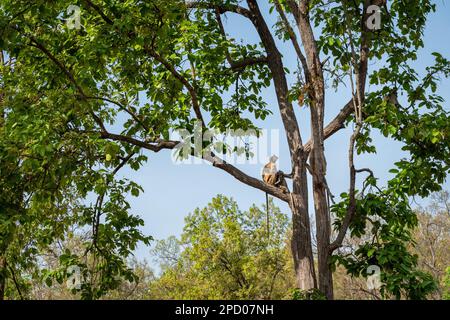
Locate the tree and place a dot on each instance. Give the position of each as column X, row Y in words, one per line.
column 138, row 288
column 46, row 174
column 432, row 239
column 387, row 229
column 225, row 253
column 178, row 54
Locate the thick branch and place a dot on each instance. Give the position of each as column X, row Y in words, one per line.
column 335, row 125
column 162, row 144
column 211, row 158
column 246, row 179
column 247, row 62
column 223, row 8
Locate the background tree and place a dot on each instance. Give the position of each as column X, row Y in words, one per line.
column 225, row 253
column 138, row 288
column 46, row 175
column 428, row 246
column 432, row 240
column 178, row 54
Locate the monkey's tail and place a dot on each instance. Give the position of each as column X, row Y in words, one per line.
column 267, row 216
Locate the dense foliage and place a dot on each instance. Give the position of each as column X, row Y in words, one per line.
column 225, row 253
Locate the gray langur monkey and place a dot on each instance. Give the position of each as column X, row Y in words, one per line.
column 273, row 177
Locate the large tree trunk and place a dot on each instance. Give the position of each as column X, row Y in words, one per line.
column 316, row 88
column 301, row 244
column 321, row 205
column 301, row 235
column 323, row 230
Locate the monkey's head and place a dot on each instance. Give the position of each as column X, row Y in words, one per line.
column 273, row 159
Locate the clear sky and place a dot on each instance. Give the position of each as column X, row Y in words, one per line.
column 172, row 191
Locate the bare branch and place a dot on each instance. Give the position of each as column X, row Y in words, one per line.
column 281, row 87
column 293, row 38
column 365, row 170
column 335, row 125
column 211, row 158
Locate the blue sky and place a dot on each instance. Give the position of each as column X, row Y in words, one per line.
column 172, row 191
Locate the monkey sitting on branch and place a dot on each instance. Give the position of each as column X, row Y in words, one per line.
column 273, row 177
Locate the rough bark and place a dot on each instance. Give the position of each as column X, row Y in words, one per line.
column 316, row 86
column 301, row 235
column 301, row 244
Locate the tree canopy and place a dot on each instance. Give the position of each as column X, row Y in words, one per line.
column 78, row 103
